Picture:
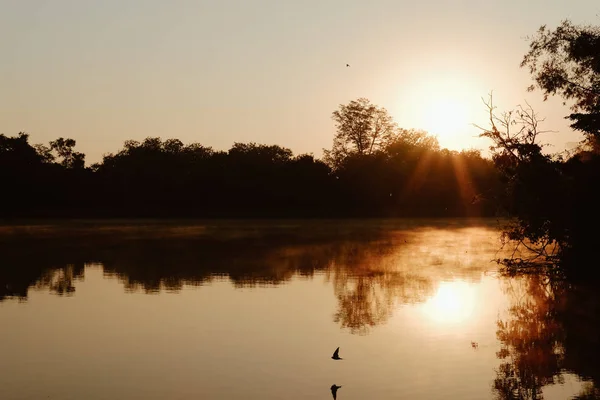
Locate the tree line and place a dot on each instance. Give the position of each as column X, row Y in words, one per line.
column 374, row 169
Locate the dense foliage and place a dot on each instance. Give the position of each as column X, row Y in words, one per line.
column 159, row 178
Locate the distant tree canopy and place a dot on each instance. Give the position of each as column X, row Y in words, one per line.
column 380, row 170
column 164, row 178
column 34, row 184
column 362, row 129
column 64, row 150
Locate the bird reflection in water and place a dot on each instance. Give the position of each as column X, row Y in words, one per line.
column 334, row 389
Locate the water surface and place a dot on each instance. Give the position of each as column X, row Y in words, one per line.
column 254, row 310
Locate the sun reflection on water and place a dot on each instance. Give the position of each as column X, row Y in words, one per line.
column 453, row 302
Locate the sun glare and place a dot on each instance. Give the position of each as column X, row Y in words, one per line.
column 447, row 120
column 453, row 302
column 445, row 108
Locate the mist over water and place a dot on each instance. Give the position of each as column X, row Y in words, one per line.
column 255, row 309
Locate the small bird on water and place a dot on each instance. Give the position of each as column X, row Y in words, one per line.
column 334, row 389
column 347, row 65
column 336, row 354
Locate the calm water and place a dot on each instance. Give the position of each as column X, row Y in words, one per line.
column 254, row 310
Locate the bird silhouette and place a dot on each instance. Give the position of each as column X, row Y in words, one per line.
column 334, row 389
column 336, row 354
column 347, row 65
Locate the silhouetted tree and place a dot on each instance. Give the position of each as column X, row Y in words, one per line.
column 566, row 62
column 396, row 180
column 32, row 182
column 362, row 129
column 534, row 183
column 407, row 140
column 553, row 197
column 65, row 151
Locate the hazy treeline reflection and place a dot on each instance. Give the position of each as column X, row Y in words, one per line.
column 552, row 327
column 372, row 265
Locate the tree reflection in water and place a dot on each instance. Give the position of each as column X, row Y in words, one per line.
column 371, row 266
column 369, row 279
column 551, row 329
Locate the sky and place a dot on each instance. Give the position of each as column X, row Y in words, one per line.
column 267, row 71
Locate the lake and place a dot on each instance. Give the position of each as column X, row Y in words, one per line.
column 255, row 309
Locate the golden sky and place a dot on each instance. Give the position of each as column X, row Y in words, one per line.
column 217, row 72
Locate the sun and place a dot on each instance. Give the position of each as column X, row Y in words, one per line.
column 446, row 107
column 453, row 302
column 447, row 119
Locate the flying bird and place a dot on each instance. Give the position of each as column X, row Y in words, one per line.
column 334, row 389
column 347, row 65
column 336, row 354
